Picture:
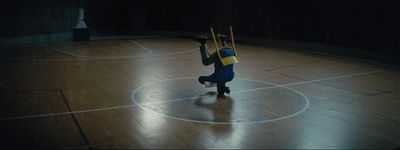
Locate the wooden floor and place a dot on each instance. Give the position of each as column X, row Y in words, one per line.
column 144, row 93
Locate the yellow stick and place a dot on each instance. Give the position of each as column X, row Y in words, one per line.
column 220, row 43
column 232, row 38
column 215, row 42
column 233, row 42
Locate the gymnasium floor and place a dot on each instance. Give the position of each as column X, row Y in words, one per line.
column 144, row 93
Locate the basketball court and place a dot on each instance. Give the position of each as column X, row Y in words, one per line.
column 144, row 93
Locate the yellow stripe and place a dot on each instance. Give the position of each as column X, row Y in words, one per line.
column 229, row 60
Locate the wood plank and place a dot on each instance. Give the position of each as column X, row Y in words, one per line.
column 359, row 111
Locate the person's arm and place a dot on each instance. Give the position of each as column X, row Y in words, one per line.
column 205, row 58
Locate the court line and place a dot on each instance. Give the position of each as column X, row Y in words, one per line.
column 141, row 46
column 312, row 81
column 180, row 99
column 85, row 138
column 67, row 113
column 294, row 65
column 148, row 51
column 307, row 104
column 270, row 87
column 166, row 54
column 97, row 58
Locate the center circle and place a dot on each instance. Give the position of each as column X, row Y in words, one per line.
column 250, row 101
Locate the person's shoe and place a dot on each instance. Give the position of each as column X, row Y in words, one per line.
column 227, row 90
column 201, row 81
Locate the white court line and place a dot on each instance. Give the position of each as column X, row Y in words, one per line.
column 148, row 51
column 175, row 53
column 310, row 81
column 167, row 54
column 307, row 104
column 141, row 46
column 93, row 58
column 262, row 88
column 67, row 113
column 181, row 99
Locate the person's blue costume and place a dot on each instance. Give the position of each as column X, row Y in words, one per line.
column 223, row 67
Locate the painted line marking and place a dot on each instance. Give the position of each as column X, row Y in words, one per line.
column 85, row 138
column 148, row 51
column 311, row 81
column 180, row 99
column 307, row 104
column 94, row 58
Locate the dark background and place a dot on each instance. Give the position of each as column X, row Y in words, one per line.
column 371, row 25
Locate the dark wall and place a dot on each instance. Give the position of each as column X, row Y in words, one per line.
column 120, row 16
column 135, row 16
column 25, row 17
column 368, row 24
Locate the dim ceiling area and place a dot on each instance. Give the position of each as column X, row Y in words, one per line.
column 370, row 25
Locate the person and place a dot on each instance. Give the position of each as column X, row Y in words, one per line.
column 223, row 73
